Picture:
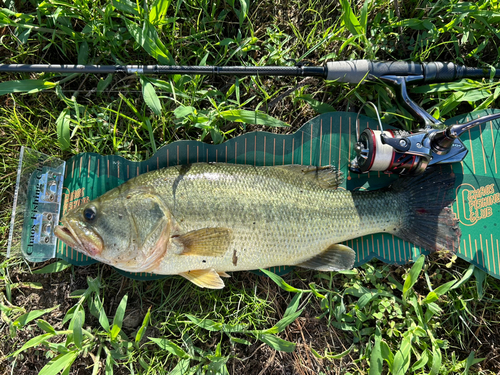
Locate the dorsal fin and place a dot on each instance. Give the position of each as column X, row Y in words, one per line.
column 326, row 177
column 207, row 278
column 336, row 257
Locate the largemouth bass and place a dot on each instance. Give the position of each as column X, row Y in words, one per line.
column 203, row 220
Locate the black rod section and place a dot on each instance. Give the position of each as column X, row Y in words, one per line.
column 306, row 71
column 354, row 71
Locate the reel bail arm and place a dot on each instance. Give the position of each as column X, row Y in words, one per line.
column 400, row 83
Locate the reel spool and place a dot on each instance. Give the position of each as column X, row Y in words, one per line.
column 392, row 151
column 376, row 151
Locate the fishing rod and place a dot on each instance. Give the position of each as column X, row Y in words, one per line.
column 391, row 151
column 354, row 71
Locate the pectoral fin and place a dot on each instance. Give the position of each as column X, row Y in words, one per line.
column 207, row 278
column 335, row 258
column 327, row 177
column 212, row 242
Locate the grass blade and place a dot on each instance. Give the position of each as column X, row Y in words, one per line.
column 59, row 363
column 58, row 266
column 103, row 83
column 240, row 341
column 148, row 38
column 77, row 326
column 251, row 117
column 103, row 319
column 316, row 104
column 144, row 326
column 37, row 340
column 402, row 357
column 150, row 97
column 386, row 353
column 183, row 368
column 108, row 366
column 63, row 134
column 480, row 276
column 424, row 358
column 276, row 343
column 126, row 6
column 120, row 314
column 350, row 20
column 151, row 134
column 170, row 346
column 436, row 361
column 280, row 282
column 29, row 85
column 376, row 360
column 83, row 53
column 289, row 317
column 465, row 277
column 412, row 276
column 207, row 324
column 32, row 315
column 471, row 361
column 363, row 17
column 158, row 11
column 45, row 326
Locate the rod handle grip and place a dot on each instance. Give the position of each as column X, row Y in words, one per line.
column 356, row 71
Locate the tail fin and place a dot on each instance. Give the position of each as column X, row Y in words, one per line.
column 430, row 222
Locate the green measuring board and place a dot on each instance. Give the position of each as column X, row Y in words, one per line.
column 325, row 140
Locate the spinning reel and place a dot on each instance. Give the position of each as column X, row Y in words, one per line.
column 400, row 152
column 404, row 153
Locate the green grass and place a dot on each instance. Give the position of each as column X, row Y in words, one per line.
column 440, row 316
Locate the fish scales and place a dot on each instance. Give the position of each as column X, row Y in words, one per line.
column 276, row 218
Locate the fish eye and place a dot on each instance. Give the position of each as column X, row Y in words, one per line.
column 89, row 213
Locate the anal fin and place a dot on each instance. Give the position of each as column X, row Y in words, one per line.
column 336, row 257
column 207, row 278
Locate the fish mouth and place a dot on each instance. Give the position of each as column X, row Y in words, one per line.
column 65, row 234
column 70, row 236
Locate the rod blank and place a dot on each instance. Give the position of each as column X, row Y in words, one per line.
column 354, row 71
column 306, row 71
